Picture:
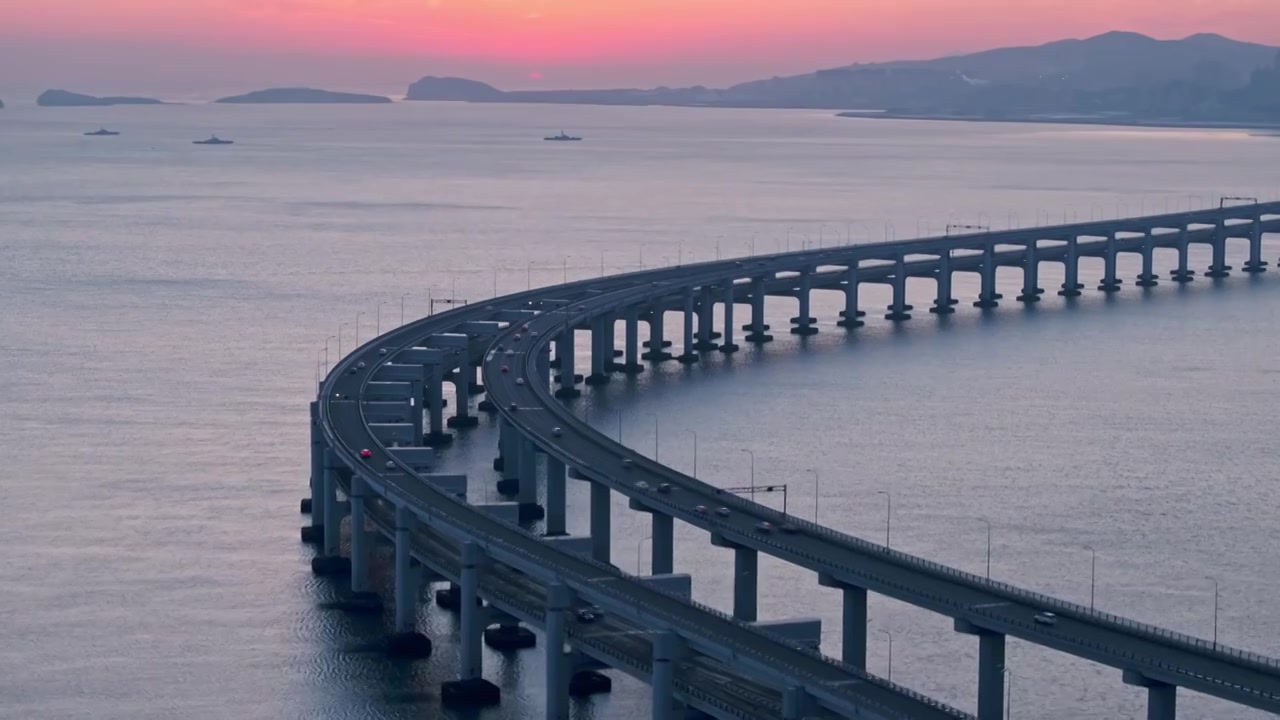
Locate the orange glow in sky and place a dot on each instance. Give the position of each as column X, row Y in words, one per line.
column 672, row 37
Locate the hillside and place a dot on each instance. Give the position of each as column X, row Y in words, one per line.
column 63, row 98
column 302, row 96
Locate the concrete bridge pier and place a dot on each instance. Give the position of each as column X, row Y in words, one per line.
column 666, row 653
column 631, row 343
column 1110, row 283
column 601, row 350
column 745, row 578
column 559, row 603
column 564, row 356
column 987, row 296
column 313, row 504
column 1255, row 263
column 853, row 639
column 990, row 670
column 505, row 633
column 944, row 302
column 1148, row 278
column 601, row 518
column 508, row 461
column 899, row 310
column 1162, row 698
column 796, row 703
column 433, row 385
column 470, row 689
column 662, row 545
column 757, row 327
column 688, row 354
column 543, row 368
column 1182, row 274
column 330, row 561
column 849, row 316
column 527, row 492
column 656, row 343
column 1219, row 268
column 361, row 543
column 463, row 378
column 803, row 322
column 728, row 346
column 1071, row 285
column 706, row 321
column 406, row 641
column 555, row 510
column 1031, row 289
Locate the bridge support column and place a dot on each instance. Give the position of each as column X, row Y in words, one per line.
column 601, row 529
column 728, row 345
column 329, row 562
column 656, row 343
column 470, row 689
column 313, row 504
column 1031, row 289
column 360, row 540
column 406, row 642
column 796, row 703
column 706, row 321
column 1182, row 274
column 944, row 302
column 1110, row 283
column 555, row 524
column 688, row 354
column 757, row 327
column 508, row 460
column 1162, row 698
column 559, row 602
column 988, row 297
column 990, row 670
column 434, row 389
column 666, row 652
column 1071, row 285
column 1255, row 264
column 1148, row 278
column 853, row 640
column 1219, row 268
column 899, row 310
column 527, row 493
column 564, row 356
column 601, row 350
column 745, row 564
column 464, row 377
column 849, row 316
column 803, row 323
column 662, row 547
column 631, row 354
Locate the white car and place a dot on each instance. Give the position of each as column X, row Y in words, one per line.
column 556, row 431
column 642, row 485
column 519, row 381
column 1045, row 617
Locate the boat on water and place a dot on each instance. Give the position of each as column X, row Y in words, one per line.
column 213, row 140
column 562, row 137
column 100, row 132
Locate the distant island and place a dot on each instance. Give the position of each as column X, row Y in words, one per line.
column 302, row 95
column 63, row 98
column 1114, row 78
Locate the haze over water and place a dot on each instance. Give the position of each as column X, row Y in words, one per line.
column 166, row 305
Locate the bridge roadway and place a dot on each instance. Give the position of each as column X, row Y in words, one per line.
column 846, row 691
column 1154, row 653
column 699, row 681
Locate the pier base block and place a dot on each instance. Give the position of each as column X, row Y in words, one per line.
column 486, row 405
column 361, row 603
column 986, row 303
column 728, row 348
column 326, row 565
column 305, row 506
column 313, row 534
column 759, row 338
column 531, row 511
column 601, row 379
column 448, row 598
column 510, row 637
column 627, row 368
column 437, row 439
column 568, row 392
column 409, row 646
column 508, row 486
column 850, row 324
column 1251, row 266
column 476, row 692
column 1147, row 280
column 589, row 682
column 466, row 421
column 688, row 358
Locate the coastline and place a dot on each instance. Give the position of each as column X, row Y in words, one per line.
column 1084, row 120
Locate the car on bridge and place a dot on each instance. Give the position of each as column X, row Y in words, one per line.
column 1044, row 617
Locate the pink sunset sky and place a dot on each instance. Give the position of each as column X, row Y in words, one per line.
column 135, row 45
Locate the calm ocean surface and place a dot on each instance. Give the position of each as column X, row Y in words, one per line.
column 163, row 307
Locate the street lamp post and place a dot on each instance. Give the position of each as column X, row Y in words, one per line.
column 326, row 352
column 528, row 276
column 988, row 524
column 1215, row 612
column 358, row 327
column 402, row 295
column 1008, row 695
column 639, row 546
column 888, row 514
column 1093, row 572
column 815, row 495
column 340, row 326
column 889, row 635
column 378, row 328
column 694, row 433
column 753, row 473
